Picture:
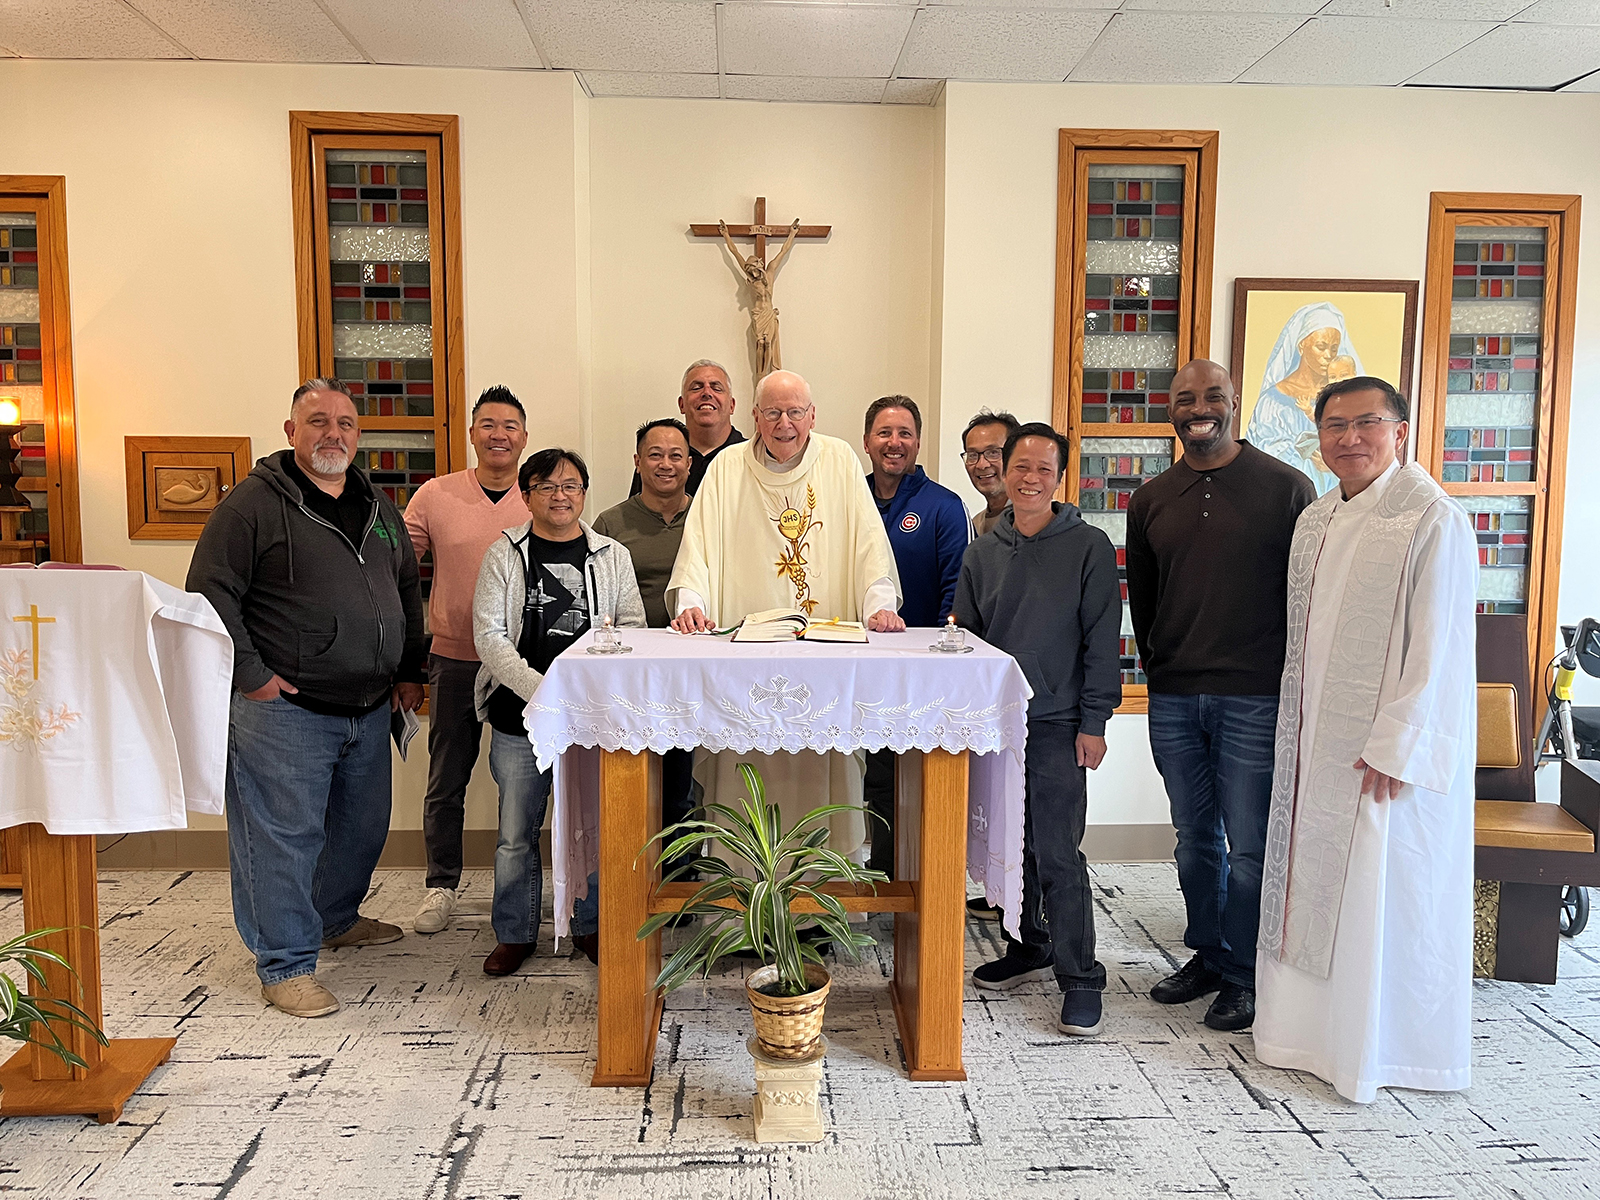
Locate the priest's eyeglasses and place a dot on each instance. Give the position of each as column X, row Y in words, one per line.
column 992, row 454
column 1336, row 427
column 775, row 414
column 546, row 490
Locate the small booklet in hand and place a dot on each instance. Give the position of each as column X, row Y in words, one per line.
column 787, row 624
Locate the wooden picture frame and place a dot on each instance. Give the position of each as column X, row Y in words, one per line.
column 1376, row 324
column 174, row 483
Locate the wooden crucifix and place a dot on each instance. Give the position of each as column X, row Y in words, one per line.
column 760, row 274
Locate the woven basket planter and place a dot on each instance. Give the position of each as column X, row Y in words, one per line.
column 789, row 1026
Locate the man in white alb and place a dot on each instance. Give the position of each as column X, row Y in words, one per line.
column 1364, row 976
column 787, row 521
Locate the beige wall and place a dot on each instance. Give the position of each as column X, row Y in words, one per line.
column 854, row 309
column 1310, row 183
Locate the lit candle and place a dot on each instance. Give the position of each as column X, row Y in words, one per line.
column 10, row 411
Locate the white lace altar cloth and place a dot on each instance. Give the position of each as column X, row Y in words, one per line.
column 676, row 691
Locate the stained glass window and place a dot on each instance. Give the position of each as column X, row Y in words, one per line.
column 26, row 535
column 1495, row 389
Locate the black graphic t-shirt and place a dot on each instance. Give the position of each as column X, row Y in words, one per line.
column 555, row 614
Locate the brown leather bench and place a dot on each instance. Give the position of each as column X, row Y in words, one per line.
column 1526, row 851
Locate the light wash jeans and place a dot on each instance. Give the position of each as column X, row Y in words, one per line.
column 518, row 869
column 308, row 814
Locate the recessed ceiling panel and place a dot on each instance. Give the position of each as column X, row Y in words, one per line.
column 1148, row 47
column 252, row 30
column 823, row 40
column 790, row 87
column 626, row 35
column 1520, row 56
column 438, row 33
column 1336, row 51
column 912, row 91
column 628, row 83
column 956, row 43
column 81, row 29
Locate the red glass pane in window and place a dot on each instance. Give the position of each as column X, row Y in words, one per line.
column 377, row 175
column 380, row 213
column 1097, row 304
column 1122, row 499
column 1461, row 364
column 416, row 293
column 28, row 355
column 1466, row 269
column 25, row 256
column 386, row 460
column 1513, row 539
column 385, row 370
column 383, row 310
column 1455, row 456
column 1164, row 305
column 1127, row 416
column 356, row 387
column 380, row 273
column 385, row 407
column 419, row 480
column 1099, row 210
column 1483, row 557
column 1497, row 251
column 1169, row 210
column 1494, row 287
column 1519, row 455
column 1133, row 225
column 1482, row 520
column 419, row 389
column 1531, row 270
column 1488, row 439
column 1525, row 364
column 1122, row 556
column 347, row 293
column 341, row 193
column 413, row 193
column 1133, row 191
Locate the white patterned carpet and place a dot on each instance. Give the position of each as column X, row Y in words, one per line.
column 438, row 1083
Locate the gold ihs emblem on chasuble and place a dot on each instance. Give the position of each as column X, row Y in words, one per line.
column 794, row 525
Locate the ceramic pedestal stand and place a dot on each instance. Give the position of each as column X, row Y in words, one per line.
column 786, row 1106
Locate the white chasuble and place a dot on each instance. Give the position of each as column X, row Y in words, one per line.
column 810, row 538
column 1364, row 971
column 114, row 695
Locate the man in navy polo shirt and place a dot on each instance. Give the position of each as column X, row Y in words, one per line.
column 928, row 530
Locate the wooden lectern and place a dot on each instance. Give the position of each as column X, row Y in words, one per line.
column 59, row 892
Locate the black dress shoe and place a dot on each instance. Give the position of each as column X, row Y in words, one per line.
column 1191, row 981
column 589, row 943
column 506, row 957
column 1233, row 1009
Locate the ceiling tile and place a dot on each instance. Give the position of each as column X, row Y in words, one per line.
column 951, row 43
column 1361, row 51
column 912, row 91
column 626, row 35
column 1431, row 10
column 1102, row 5
column 790, row 87
column 1562, row 12
column 1589, row 83
column 81, row 29
column 1520, row 56
column 1302, row 7
column 438, row 33
column 813, row 39
column 1147, row 47
column 627, row 83
column 257, row 31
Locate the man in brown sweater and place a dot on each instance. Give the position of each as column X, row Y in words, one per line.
column 1208, row 565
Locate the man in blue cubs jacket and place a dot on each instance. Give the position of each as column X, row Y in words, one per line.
column 928, row 530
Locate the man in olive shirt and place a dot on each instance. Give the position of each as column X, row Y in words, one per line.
column 650, row 525
column 705, row 398
column 1208, row 564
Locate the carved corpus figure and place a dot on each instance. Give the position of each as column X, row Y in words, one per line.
column 763, row 316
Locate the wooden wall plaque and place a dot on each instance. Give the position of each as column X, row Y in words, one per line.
column 175, row 482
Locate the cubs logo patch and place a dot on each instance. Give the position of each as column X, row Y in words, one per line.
column 909, row 522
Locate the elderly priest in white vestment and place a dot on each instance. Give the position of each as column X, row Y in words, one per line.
column 1364, row 971
column 786, row 521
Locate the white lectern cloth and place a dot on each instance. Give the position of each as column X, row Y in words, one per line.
column 127, row 722
column 677, row 691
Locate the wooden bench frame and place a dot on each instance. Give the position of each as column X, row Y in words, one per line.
column 1528, row 938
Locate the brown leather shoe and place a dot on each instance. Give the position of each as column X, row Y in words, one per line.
column 506, row 957
column 589, row 943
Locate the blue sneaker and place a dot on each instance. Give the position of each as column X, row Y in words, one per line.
column 1080, row 1013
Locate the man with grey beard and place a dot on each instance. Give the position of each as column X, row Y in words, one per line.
column 311, row 569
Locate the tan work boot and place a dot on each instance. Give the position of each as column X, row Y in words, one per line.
column 365, row 932
column 300, row 996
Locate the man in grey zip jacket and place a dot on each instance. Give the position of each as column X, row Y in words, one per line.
column 312, row 571
column 1042, row 586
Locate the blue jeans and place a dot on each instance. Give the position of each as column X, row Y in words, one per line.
column 308, row 814
column 518, row 868
column 1215, row 756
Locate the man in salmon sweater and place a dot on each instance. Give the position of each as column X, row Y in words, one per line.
column 458, row 516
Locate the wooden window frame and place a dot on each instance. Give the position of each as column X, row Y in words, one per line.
column 1196, row 150
column 309, row 134
column 1559, row 216
column 46, row 196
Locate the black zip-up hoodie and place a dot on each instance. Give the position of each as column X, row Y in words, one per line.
column 1053, row 602
column 341, row 622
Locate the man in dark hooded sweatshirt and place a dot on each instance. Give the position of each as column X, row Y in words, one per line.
column 311, row 569
column 1044, row 589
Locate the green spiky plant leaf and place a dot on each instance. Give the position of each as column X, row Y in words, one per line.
column 784, row 864
column 21, row 1015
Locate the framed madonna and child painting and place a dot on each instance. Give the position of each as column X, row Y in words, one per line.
column 1292, row 337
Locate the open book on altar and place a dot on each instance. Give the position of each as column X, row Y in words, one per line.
column 787, row 624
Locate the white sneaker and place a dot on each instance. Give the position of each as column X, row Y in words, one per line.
column 433, row 914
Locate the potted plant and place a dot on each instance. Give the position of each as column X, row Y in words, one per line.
column 754, row 912
column 22, row 1014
